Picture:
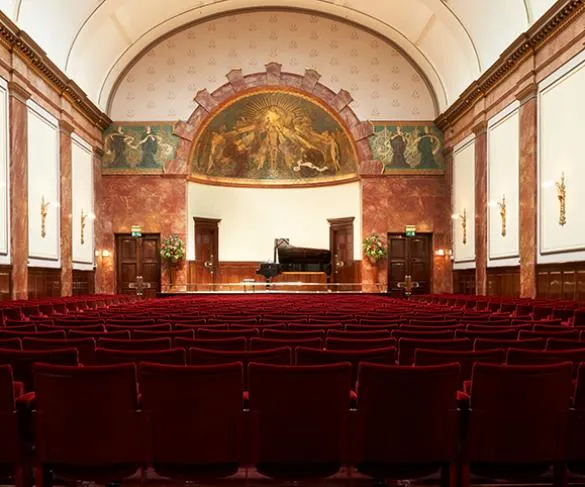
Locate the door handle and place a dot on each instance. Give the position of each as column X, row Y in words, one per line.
column 209, row 264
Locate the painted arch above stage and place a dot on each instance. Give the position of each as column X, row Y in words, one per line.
column 273, row 136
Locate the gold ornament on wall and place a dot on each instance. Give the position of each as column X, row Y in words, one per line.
column 44, row 210
column 464, row 225
column 83, row 220
column 502, row 207
column 562, row 196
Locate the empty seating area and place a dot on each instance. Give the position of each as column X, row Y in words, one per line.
column 292, row 387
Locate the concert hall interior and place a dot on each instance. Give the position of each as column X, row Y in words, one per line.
column 202, row 182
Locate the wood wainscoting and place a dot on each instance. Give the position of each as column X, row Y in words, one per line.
column 464, row 281
column 564, row 281
column 83, row 282
column 230, row 275
column 44, row 282
column 503, row 281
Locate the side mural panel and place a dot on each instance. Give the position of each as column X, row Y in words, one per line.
column 43, row 188
column 503, row 187
column 4, row 176
column 464, row 204
column 82, row 209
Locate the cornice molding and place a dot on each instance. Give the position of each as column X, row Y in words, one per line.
column 21, row 43
column 546, row 27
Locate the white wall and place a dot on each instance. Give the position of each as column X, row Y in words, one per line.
column 43, row 181
column 503, row 181
column 252, row 218
column 560, row 138
column 4, row 176
column 82, row 195
column 464, row 199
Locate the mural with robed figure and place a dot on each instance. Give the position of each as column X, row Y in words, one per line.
column 408, row 148
column 273, row 137
column 138, row 148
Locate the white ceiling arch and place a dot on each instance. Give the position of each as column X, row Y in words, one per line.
column 452, row 41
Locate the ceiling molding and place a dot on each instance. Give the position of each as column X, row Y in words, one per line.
column 21, row 43
column 547, row 26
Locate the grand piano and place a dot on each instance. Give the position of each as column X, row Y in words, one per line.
column 288, row 258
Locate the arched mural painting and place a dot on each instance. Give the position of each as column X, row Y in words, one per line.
column 273, row 135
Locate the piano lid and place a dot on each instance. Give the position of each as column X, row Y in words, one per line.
column 303, row 255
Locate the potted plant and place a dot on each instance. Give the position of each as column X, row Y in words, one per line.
column 374, row 248
column 172, row 251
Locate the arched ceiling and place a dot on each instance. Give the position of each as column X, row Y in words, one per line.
column 452, row 41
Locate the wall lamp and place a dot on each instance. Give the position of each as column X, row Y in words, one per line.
column 463, row 218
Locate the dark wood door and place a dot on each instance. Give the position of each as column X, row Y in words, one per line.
column 138, row 256
column 409, row 259
column 206, row 250
column 341, row 246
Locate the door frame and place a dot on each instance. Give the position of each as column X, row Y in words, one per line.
column 116, row 256
column 213, row 224
column 431, row 255
column 339, row 224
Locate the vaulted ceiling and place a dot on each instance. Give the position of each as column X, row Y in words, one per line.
column 452, row 41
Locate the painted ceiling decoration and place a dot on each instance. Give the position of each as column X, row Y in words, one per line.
column 452, row 42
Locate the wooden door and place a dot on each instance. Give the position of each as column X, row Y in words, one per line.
column 138, row 256
column 409, row 256
column 341, row 246
column 206, row 266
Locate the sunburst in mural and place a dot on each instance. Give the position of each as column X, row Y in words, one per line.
column 273, row 136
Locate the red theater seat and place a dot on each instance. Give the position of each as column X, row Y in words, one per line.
column 517, row 424
column 268, row 343
column 97, row 408
column 299, row 419
column 407, row 347
column 334, row 343
column 10, row 446
column 235, row 343
column 146, row 344
column 195, row 419
column 85, row 347
column 173, row 356
column 406, row 421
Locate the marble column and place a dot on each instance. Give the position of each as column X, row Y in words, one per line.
column 104, row 236
column 19, row 188
column 65, row 162
column 528, row 190
column 445, row 262
column 480, row 131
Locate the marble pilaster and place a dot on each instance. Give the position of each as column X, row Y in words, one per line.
column 18, row 95
column 480, row 131
column 66, row 189
column 528, row 189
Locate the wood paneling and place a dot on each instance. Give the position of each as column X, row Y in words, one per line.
column 503, row 281
column 43, row 282
column 83, row 282
column 464, row 281
column 341, row 247
column 5, row 282
column 565, row 281
column 206, row 265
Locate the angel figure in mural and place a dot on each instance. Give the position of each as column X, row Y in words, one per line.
column 117, row 143
column 428, row 145
column 398, row 144
column 149, row 145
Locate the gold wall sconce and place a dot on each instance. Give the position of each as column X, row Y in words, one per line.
column 44, row 210
column 463, row 218
column 502, row 207
column 562, row 196
column 83, row 220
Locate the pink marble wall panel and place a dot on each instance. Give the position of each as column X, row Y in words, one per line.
column 528, row 195
column 156, row 203
column 66, row 208
column 390, row 203
column 481, row 209
column 18, row 190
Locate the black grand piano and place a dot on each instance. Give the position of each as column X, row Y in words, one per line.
column 288, row 258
